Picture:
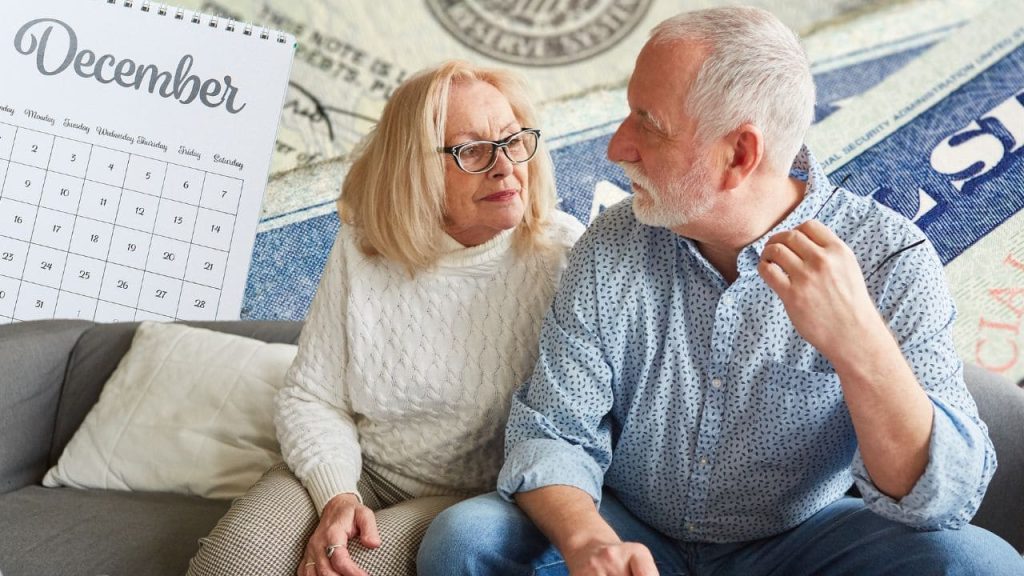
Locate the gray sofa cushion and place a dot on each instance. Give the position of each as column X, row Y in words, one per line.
column 67, row 531
column 33, row 358
column 1000, row 405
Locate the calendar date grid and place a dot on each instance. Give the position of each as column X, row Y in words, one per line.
column 116, row 235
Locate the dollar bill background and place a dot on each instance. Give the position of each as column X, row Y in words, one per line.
column 874, row 64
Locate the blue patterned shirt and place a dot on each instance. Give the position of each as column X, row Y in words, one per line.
column 700, row 406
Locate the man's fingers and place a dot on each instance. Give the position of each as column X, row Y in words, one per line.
column 366, row 523
column 784, row 257
column 641, row 563
column 773, row 276
column 818, row 233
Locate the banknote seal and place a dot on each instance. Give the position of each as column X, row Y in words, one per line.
column 539, row 32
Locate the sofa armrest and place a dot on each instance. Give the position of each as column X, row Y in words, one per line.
column 1001, row 407
column 33, row 361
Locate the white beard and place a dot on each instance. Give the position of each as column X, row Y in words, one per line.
column 688, row 198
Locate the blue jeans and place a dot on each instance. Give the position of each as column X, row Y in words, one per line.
column 486, row 535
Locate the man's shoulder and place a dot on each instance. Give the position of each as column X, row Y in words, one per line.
column 862, row 219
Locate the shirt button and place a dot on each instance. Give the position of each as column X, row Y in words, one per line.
column 727, row 300
column 689, row 527
column 703, row 460
column 716, row 382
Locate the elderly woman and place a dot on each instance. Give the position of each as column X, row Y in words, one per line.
column 428, row 312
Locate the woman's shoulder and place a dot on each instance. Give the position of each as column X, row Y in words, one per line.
column 564, row 229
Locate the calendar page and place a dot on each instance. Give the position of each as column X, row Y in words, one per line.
column 135, row 142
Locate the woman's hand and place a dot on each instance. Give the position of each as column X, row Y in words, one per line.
column 343, row 518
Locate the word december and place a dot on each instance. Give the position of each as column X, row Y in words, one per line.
column 182, row 85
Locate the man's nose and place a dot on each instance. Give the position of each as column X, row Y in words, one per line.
column 621, row 147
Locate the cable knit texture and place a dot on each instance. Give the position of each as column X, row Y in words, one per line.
column 415, row 374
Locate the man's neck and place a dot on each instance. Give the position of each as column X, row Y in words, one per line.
column 747, row 216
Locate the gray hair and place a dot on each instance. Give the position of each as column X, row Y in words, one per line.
column 755, row 71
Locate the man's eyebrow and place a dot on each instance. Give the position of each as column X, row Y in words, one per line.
column 650, row 119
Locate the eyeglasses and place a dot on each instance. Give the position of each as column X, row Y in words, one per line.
column 480, row 155
column 884, row 260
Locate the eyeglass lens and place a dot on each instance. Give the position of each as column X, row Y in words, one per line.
column 480, row 156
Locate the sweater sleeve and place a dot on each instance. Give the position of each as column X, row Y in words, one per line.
column 315, row 426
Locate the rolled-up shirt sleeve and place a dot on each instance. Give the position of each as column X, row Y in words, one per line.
column 558, row 430
column 961, row 458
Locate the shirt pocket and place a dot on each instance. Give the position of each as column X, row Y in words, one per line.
column 800, row 411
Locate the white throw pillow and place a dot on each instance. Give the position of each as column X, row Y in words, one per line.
column 187, row 410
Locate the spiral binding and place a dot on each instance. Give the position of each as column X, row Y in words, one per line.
column 197, row 18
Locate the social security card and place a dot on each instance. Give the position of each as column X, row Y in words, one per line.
column 942, row 143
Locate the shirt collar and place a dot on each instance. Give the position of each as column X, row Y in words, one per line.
column 817, row 193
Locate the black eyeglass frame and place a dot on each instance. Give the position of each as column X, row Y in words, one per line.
column 502, row 144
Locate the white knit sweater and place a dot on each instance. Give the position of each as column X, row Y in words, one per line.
column 415, row 374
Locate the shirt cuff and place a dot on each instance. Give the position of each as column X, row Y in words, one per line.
column 949, row 491
column 327, row 481
column 537, row 463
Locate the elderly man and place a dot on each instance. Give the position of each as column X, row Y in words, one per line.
column 730, row 351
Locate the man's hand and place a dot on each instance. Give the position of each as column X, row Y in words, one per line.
column 611, row 559
column 342, row 519
column 820, row 284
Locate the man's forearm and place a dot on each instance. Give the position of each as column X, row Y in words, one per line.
column 567, row 516
column 892, row 415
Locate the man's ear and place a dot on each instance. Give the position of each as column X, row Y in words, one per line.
column 744, row 152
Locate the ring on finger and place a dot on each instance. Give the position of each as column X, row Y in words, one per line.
column 330, row 549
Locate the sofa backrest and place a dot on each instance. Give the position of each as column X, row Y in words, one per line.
column 33, row 361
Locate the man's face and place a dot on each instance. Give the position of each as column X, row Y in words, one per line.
column 656, row 145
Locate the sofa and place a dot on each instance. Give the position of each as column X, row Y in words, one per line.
column 52, row 372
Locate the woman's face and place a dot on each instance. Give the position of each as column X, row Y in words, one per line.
column 479, row 206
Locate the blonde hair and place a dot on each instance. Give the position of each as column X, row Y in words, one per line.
column 394, row 193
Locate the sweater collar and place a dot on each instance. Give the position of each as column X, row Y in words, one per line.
column 456, row 255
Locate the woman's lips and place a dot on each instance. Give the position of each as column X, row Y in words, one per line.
column 502, row 196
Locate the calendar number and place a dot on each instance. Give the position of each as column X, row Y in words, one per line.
column 18, row 219
column 161, row 294
column 223, row 193
column 185, row 185
column 149, row 175
column 215, row 228
column 35, row 148
column 94, row 238
column 139, row 210
column 28, row 183
column 84, row 274
column 169, row 256
column 199, row 303
column 110, row 167
column 46, row 265
column 178, row 220
column 39, row 303
column 56, row 228
column 122, row 284
column 207, row 266
column 74, row 157
column 65, row 192
column 132, row 247
column 103, row 201
column 7, row 257
column 3, row 294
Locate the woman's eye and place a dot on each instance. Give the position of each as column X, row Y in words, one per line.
column 473, row 151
